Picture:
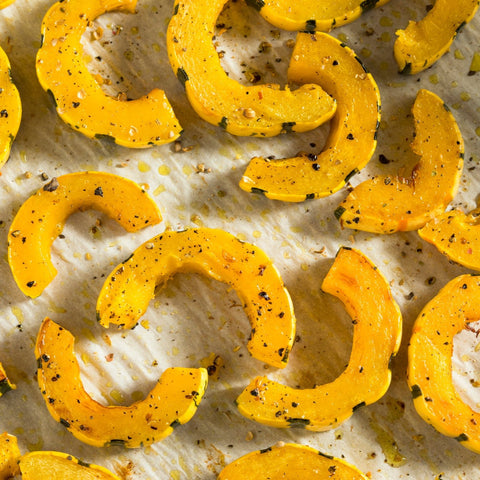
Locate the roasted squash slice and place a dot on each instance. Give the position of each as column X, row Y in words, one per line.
column 289, row 462
column 320, row 58
column 430, row 360
column 262, row 110
column 312, row 15
column 422, row 43
column 5, row 384
column 41, row 219
column 387, row 204
column 5, row 3
column 9, row 456
column 10, row 108
column 172, row 402
column 376, row 339
column 128, row 290
column 457, row 236
column 79, row 99
column 41, row 465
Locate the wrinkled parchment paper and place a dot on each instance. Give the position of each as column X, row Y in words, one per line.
column 193, row 320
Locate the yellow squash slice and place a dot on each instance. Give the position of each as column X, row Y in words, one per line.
column 5, row 384
column 457, row 236
column 376, row 339
column 312, row 15
column 42, row 465
column 41, row 219
column 9, row 456
column 430, row 360
column 79, row 99
column 320, row 58
column 172, row 402
column 10, row 108
column 262, row 110
column 387, row 204
column 422, row 43
column 290, row 462
column 128, row 290
column 5, row 3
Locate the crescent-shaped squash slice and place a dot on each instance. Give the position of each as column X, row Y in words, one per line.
column 456, row 235
column 5, row 384
column 128, row 290
column 172, row 401
column 10, row 108
column 41, row 219
column 376, row 339
column 430, row 360
column 79, row 99
column 257, row 110
column 422, row 43
column 320, row 58
column 312, row 15
column 9, row 456
column 289, row 462
column 387, row 204
column 41, row 465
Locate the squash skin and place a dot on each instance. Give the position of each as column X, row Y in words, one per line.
column 40, row 465
column 289, row 462
column 79, row 99
column 388, row 204
column 10, row 108
column 5, row 384
column 31, row 234
column 376, row 339
column 430, row 350
column 321, row 58
column 128, row 290
column 173, row 401
column 311, row 15
column 422, row 43
column 260, row 110
column 9, row 456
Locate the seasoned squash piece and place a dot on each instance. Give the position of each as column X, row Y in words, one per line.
column 9, row 456
column 430, row 360
column 41, row 218
column 289, row 462
column 79, row 99
column 312, row 15
column 41, row 465
column 387, row 204
column 320, row 58
column 173, row 400
column 10, row 108
column 422, row 43
column 257, row 110
column 128, row 290
column 5, row 384
column 376, row 339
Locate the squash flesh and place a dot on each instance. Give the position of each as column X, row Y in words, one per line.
column 320, row 58
column 376, row 339
column 9, row 456
column 127, row 292
column 262, row 110
column 387, row 204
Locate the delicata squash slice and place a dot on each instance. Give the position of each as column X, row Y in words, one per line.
column 289, row 462
column 41, row 218
column 10, row 108
column 9, row 456
column 40, row 465
column 172, row 402
column 387, row 204
column 79, row 99
column 312, row 15
column 5, row 384
column 376, row 339
column 320, row 58
column 456, row 235
column 422, row 43
column 430, row 360
column 262, row 110
column 128, row 290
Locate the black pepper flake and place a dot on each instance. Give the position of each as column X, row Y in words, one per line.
column 264, row 295
column 3, row 113
column 75, row 104
column 51, row 186
column 99, row 191
column 31, row 284
column 316, row 166
column 255, row 392
column 350, row 136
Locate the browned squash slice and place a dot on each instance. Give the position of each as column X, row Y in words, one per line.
column 5, row 384
column 9, row 456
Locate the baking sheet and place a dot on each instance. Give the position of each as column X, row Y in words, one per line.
column 194, row 319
